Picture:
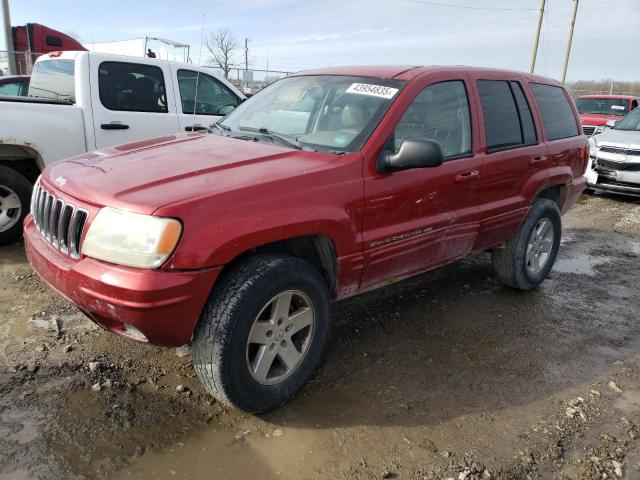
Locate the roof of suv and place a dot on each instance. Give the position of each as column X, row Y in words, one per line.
column 616, row 97
column 408, row 72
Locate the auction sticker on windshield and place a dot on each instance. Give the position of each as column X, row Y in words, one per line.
column 374, row 90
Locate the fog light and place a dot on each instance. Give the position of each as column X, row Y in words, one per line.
column 134, row 333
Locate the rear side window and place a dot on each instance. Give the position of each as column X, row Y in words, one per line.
column 132, row 87
column 557, row 115
column 53, row 80
column 507, row 116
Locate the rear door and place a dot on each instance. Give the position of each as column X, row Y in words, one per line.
column 512, row 152
column 132, row 100
column 415, row 219
column 202, row 99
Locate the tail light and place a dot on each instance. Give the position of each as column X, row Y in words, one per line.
column 585, row 158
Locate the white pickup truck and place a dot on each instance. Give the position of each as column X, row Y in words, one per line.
column 80, row 101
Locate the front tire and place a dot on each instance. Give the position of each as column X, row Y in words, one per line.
column 15, row 194
column 262, row 333
column 529, row 255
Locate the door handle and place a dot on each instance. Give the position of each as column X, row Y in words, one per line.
column 537, row 160
column 467, row 176
column 114, row 126
column 194, row 128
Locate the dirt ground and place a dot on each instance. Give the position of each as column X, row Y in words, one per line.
column 447, row 375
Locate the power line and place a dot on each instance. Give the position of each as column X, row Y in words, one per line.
column 469, row 7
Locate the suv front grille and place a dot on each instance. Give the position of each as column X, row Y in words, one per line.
column 60, row 223
column 622, row 166
column 588, row 129
column 633, row 152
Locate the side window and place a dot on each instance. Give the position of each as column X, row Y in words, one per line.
column 524, row 112
column 507, row 117
column 440, row 113
column 10, row 89
column 557, row 115
column 53, row 41
column 212, row 95
column 132, row 87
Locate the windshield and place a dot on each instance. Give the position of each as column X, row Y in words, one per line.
column 327, row 112
column 630, row 122
column 603, row 106
column 53, row 80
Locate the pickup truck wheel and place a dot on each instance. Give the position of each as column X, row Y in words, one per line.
column 530, row 254
column 262, row 332
column 15, row 193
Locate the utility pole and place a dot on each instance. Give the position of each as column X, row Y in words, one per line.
column 537, row 40
column 566, row 55
column 246, row 53
column 8, row 37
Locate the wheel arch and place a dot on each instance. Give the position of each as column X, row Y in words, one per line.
column 317, row 249
column 23, row 158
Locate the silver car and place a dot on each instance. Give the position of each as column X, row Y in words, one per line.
column 614, row 158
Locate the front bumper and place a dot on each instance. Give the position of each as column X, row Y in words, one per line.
column 163, row 305
column 615, row 181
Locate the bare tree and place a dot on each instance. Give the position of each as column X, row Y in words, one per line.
column 222, row 45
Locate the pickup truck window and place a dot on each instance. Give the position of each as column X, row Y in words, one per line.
column 331, row 112
column 603, row 106
column 11, row 89
column 132, row 87
column 557, row 114
column 507, row 117
column 440, row 113
column 53, row 80
column 212, row 95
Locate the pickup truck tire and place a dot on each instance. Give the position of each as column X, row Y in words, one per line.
column 250, row 348
column 529, row 255
column 15, row 195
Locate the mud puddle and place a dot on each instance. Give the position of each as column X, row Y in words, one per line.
column 443, row 375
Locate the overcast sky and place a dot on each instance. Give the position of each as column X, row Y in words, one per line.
column 296, row 34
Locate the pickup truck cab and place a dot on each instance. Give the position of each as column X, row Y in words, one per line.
column 326, row 184
column 81, row 101
column 597, row 110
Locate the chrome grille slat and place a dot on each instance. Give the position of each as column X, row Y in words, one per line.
column 588, row 129
column 61, row 224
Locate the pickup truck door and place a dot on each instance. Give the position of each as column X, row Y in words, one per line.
column 418, row 218
column 214, row 98
column 132, row 100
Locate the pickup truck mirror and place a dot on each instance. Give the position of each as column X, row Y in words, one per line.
column 413, row 153
column 226, row 110
column 611, row 123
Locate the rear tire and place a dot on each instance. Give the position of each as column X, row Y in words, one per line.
column 530, row 254
column 15, row 196
column 249, row 348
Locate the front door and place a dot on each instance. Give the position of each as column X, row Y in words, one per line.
column 202, row 99
column 419, row 218
column 135, row 101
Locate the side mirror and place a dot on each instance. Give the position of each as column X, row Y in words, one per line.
column 226, row 110
column 611, row 123
column 413, row 153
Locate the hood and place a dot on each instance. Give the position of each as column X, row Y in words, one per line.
column 597, row 119
column 618, row 138
column 146, row 175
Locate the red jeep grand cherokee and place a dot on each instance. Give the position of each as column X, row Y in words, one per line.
column 326, row 184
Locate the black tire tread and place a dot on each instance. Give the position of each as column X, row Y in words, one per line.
column 22, row 186
column 216, row 320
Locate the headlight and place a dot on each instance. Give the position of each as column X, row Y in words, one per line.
column 599, row 129
column 593, row 149
column 132, row 239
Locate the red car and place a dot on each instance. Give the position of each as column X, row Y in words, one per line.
column 326, row 184
column 596, row 110
column 14, row 85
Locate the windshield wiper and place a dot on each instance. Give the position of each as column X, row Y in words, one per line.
column 220, row 126
column 292, row 142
